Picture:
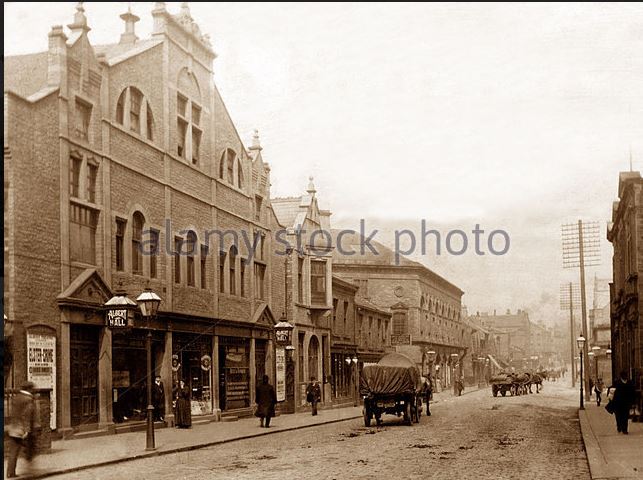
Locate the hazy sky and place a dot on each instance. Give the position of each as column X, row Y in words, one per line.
column 510, row 116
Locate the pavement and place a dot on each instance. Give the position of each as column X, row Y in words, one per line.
column 611, row 455
column 73, row 455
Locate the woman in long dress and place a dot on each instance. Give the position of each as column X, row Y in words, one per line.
column 183, row 406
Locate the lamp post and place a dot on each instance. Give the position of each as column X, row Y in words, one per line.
column 149, row 302
column 354, row 359
column 580, row 342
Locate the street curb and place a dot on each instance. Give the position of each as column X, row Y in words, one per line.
column 590, row 442
column 180, row 449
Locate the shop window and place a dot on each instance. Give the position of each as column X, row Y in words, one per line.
column 83, row 117
column 193, row 357
column 154, row 252
column 190, row 253
column 232, row 267
column 137, row 237
column 178, row 244
column 234, row 365
column 119, row 241
column 82, row 234
column 318, row 281
column 300, row 279
column 204, row 266
column 260, row 273
column 74, row 176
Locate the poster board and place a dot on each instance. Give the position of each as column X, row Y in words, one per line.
column 280, row 357
column 41, row 367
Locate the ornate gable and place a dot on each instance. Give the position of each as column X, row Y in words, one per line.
column 88, row 289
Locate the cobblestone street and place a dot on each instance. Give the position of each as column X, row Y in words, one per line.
column 473, row 436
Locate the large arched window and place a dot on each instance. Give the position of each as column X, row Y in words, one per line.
column 230, row 169
column 134, row 113
column 233, row 266
column 138, row 221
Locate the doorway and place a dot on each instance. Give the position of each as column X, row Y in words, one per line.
column 84, row 374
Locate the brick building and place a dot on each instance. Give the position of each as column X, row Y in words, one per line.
column 513, row 333
column 306, row 257
column 425, row 308
column 122, row 170
column 625, row 233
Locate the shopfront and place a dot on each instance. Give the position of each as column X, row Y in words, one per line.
column 234, row 373
column 129, row 372
column 342, row 375
column 192, row 363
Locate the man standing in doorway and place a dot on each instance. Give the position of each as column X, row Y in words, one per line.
column 313, row 394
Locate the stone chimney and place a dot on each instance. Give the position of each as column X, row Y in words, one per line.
column 57, row 55
column 130, row 21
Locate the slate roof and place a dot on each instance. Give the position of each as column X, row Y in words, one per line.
column 25, row 74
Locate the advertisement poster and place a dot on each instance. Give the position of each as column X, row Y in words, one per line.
column 280, row 356
column 41, row 366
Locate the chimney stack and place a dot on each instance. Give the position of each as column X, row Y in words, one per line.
column 56, row 56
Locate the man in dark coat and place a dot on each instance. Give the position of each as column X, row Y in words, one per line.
column 266, row 399
column 622, row 401
column 21, row 427
column 313, row 394
column 158, row 399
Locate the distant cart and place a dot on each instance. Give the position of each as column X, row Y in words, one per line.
column 501, row 384
column 392, row 386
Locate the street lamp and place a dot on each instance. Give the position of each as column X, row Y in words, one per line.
column 580, row 342
column 149, row 302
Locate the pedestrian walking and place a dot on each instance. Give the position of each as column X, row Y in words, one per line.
column 313, row 394
column 22, row 427
column 183, row 406
column 598, row 389
column 158, row 399
column 622, row 401
column 266, row 399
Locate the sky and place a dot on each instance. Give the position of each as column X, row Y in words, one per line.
column 515, row 117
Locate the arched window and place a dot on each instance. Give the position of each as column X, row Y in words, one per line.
column 134, row 112
column 239, row 175
column 227, row 165
column 190, row 252
column 138, row 221
column 232, row 266
column 188, row 113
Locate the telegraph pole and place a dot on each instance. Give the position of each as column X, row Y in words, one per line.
column 581, row 248
column 569, row 299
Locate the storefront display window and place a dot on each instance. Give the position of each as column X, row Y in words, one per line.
column 234, row 371
column 192, row 363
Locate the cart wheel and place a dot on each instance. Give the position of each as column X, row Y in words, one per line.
column 408, row 419
column 367, row 418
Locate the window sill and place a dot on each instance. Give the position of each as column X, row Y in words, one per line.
column 84, row 203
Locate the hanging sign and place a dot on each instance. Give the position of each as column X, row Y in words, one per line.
column 118, row 318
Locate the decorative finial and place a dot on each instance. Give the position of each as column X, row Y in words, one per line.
column 185, row 9
column 80, row 20
column 256, row 144
column 311, row 186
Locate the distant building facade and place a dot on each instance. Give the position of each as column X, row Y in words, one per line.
column 425, row 308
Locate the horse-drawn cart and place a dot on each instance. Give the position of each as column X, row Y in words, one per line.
column 392, row 386
column 501, row 384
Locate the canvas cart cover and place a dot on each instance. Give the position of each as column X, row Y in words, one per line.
column 394, row 374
